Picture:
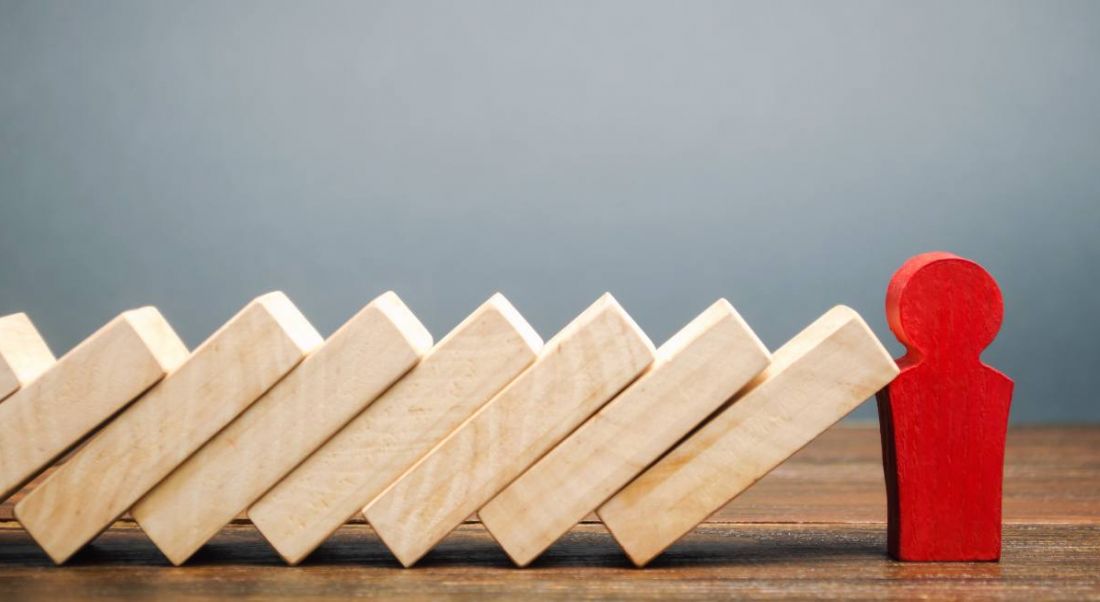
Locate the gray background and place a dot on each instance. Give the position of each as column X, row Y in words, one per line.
column 787, row 156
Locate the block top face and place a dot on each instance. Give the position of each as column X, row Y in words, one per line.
column 837, row 319
column 599, row 308
column 505, row 308
column 273, row 315
column 404, row 320
column 24, row 355
column 279, row 308
column 718, row 312
column 296, row 326
column 147, row 325
column 500, row 306
column 164, row 344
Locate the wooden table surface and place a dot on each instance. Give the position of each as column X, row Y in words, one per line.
column 813, row 528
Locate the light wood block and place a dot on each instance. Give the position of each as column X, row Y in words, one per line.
column 89, row 384
column 24, row 355
column 333, row 384
column 122, row 462
column 695, row 372
column 457, row 376
column 813, row 381
column 582, row 367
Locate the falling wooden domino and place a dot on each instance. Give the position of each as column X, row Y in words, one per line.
column 333, row 384
column 456, row 377
column 697, row 370
column 583, row 366
column 24, row 356
column 122, row 462
column 813, row 381
column 89, row 384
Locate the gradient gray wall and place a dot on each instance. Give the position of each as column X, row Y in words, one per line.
column 787, row 156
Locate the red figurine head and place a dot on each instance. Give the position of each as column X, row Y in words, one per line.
column 942, row 306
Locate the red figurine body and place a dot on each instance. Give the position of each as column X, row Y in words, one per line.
column 944, row 418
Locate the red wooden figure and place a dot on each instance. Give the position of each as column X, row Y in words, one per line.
column 943, row 419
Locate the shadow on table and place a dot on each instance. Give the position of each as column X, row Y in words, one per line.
column 589, row 547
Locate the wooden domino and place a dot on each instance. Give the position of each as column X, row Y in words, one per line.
column 944, row 418
column 24, row 356
column 333, row 384
column 89, row 384
column 267, row 418
column 697, row 370
column 813, row 381
column 122, row 462
column 579, row 370
column 455, row 378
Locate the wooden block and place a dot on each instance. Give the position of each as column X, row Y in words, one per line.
column 945, row 417
column 813, row 381
column 24, row 356
column 93, row 381
column 122, row 462
column 582, row 367
column 457, row 376
column 697, row 370
column 333, row 384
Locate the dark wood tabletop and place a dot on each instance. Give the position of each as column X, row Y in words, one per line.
column 813, row 528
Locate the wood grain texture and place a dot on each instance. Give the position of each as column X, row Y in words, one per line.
column 122, row 462
column 945, row 417
column 813, row 381
column 698, row 369
column 1051, row 476
column 717, row 561
column 24, row 355
column 456, row 377
column 89, row 384
column 815, row 527
column 295, row 417
column 579, row 370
